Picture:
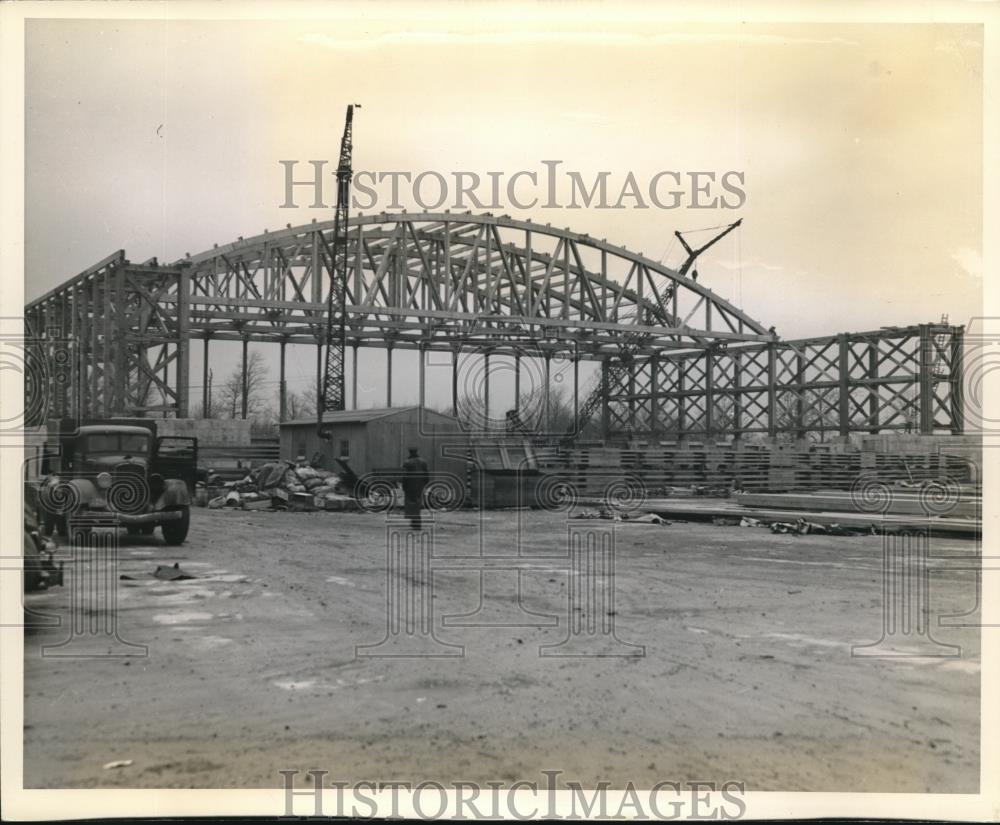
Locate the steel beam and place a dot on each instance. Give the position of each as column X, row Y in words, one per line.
column 206, row 404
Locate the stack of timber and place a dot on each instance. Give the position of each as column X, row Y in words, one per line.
column 960, row 503
column 736, row 510
column 666, row 467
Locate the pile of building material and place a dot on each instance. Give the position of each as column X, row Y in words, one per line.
column 282, row 485
column 715, row 468
column 831, row 512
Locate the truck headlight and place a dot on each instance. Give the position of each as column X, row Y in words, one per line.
column 104, row 481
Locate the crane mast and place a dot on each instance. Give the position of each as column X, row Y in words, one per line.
column 331, row 395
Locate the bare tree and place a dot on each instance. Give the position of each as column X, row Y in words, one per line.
column 300, row 404
column 264, row 421
column 237, row 395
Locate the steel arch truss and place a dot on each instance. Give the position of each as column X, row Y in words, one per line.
column 429, row 281
column 907, row 379
column 422, row 279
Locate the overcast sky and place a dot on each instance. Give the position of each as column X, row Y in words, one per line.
column 860, row 144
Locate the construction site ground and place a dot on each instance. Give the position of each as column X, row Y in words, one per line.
column 747, row 674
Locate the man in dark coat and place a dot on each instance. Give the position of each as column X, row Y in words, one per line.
column 415, row 478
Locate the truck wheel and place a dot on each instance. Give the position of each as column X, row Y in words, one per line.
column 174, row 532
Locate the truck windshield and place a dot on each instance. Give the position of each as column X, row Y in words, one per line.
column 116, row 444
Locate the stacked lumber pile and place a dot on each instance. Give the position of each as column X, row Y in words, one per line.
column 964, row 504
column 717, row 468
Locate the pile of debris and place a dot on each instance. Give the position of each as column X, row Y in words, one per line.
column 612, row 514
column 801, row 527
column 283, row 485
column 693, row 491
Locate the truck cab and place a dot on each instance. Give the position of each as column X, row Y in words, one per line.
column 120, row 474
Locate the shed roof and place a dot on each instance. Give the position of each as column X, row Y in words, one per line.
column 362, row 416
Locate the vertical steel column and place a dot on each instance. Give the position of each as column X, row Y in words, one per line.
column 654, row 395
column 576, row 388
column 84, row 346
column 800, row 396
column 631, row 367
column 95, row 368
column 44, row 344
column 182, row 372
column 206, row 402
column 354, row 374
column 166, row 377
column 926, row 384
column 874, row 386
column 486, row 389
column 844, row 401
column 244, row 382
column 957, row 379
column 118, row 373
column 76, row 407
column 320, row 394
column 315, row 270
column 681, row 399
column 737, row 359
column 709, row 393
column 79, row 339
column 320, row 388
column 65, row 343
column 388, row 375
column 107, row 388
column 605, row 390
column 566, row 286
column 517, row 381
column 545, row 396
column 772, row 395
column 422, row 397
column 454, row 381
column 282, row 386
column 141, row 378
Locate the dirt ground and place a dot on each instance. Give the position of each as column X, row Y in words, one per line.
column 747, row 673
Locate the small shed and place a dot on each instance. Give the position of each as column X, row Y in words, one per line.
column 379, row 439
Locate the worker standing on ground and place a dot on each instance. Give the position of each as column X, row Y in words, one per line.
column 415, row 478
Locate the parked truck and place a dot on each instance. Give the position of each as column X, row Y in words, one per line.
column 117, row 472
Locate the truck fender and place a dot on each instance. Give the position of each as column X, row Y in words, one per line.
column 58, row 497
column 175, row 494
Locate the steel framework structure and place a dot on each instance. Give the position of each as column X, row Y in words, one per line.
column 907, row 379
column 428, row 281
column 442, row 281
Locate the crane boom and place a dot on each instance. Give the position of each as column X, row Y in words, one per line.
column 331, row 395
column 618, row 368
column 694, row 253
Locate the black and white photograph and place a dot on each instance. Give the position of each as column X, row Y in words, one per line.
column 470, row 410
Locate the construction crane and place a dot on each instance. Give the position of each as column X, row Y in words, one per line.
column 331, row 396
column 694, row 253
column 618, row 369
